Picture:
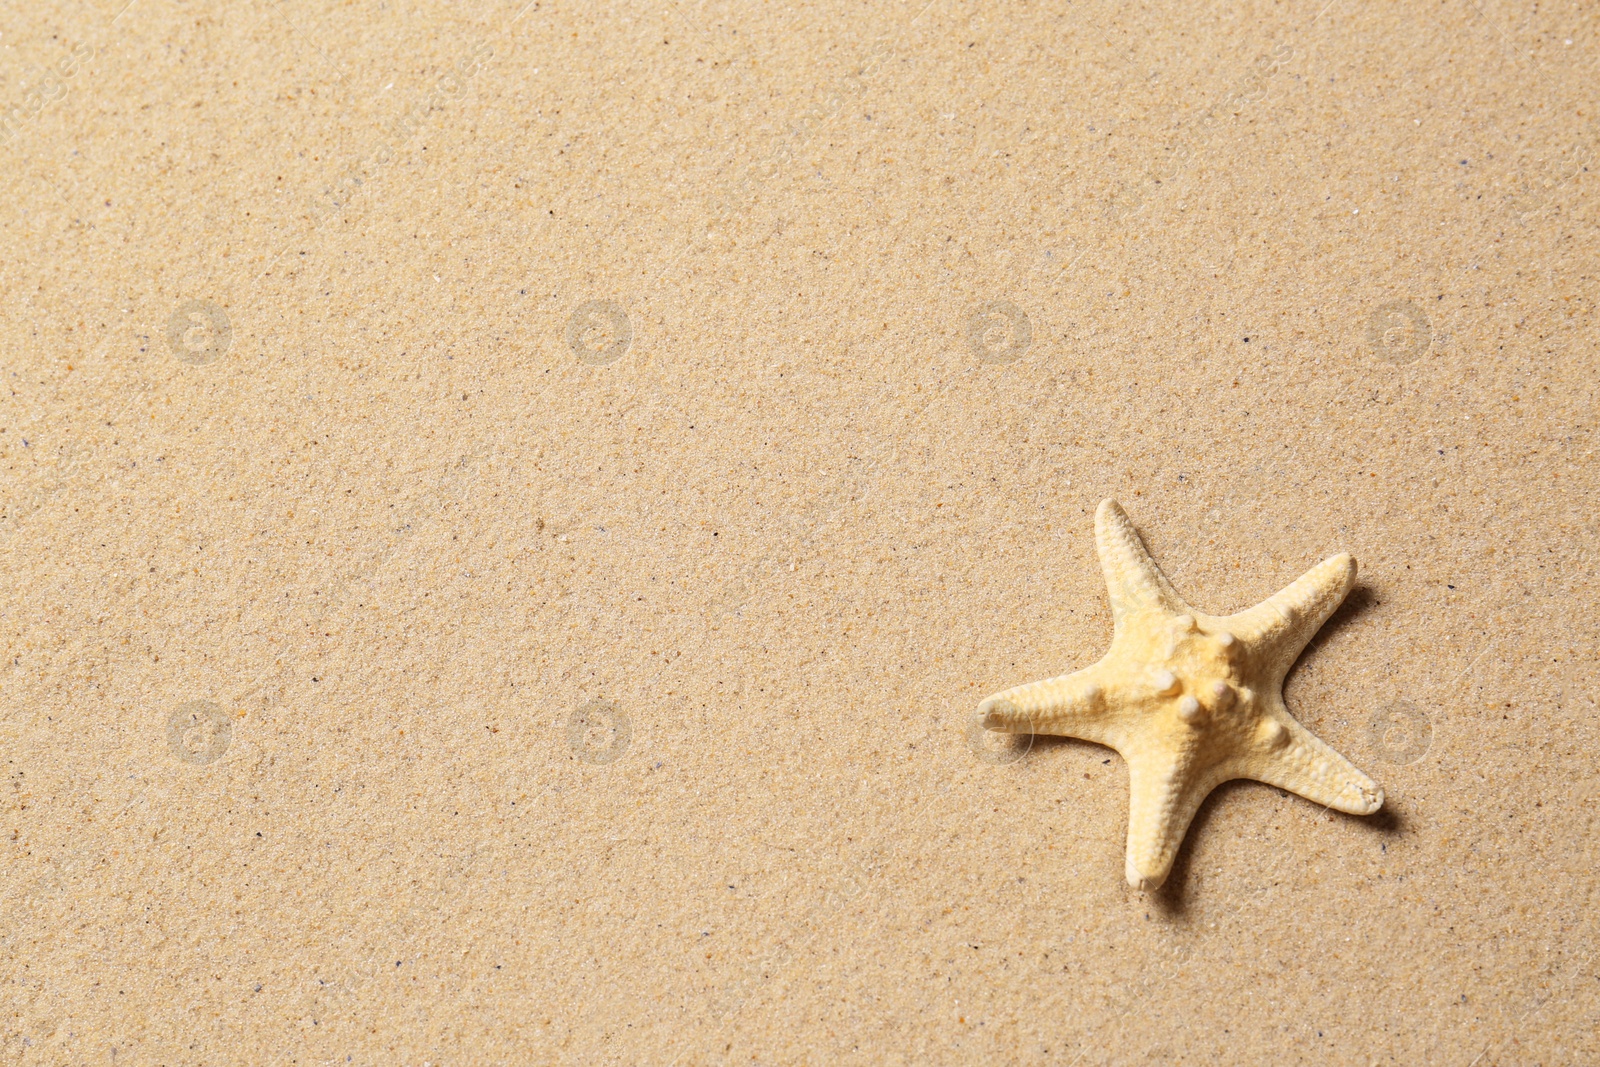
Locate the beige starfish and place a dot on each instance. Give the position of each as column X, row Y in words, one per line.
column 1191, row 700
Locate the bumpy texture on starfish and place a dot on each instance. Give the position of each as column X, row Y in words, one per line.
column 1191, row 700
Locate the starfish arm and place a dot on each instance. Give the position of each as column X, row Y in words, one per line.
column 1285, row 754
column 1166, row 789
column 1279, row 627
column 1133, row 581
column 1072, row 705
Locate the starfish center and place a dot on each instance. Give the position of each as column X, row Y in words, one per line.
column 1199, row 680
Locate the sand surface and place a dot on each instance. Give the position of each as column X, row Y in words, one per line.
column 507, row 513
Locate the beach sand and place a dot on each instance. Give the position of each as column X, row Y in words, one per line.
column 509, row 512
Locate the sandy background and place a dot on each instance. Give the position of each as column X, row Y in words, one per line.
column 509, row 512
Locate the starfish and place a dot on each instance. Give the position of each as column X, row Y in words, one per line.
column 1191, row 700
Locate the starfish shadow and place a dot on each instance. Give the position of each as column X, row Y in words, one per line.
column 1361, row 599
column 1170, row 897
column 1048, row 741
